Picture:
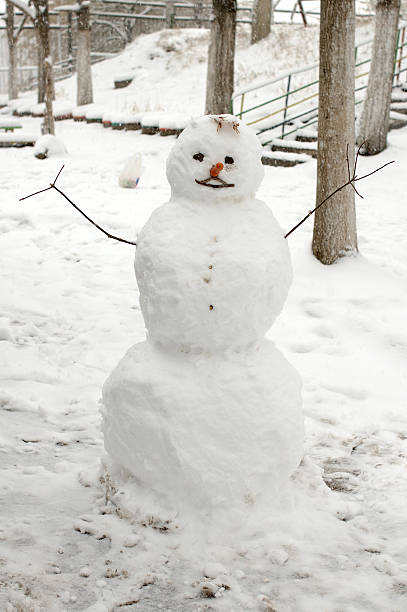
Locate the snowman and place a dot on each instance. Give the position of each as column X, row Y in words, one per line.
column 205, row 414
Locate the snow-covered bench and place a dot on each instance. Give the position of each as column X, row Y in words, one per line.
column 8, row 125
column 17, row 140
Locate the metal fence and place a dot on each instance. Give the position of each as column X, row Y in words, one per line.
column 279, row 108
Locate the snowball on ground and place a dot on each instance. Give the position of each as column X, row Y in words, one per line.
column 49, row 145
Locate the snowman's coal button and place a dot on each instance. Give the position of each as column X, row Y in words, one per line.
column 211, row 307
column 210, row 267
column 206, row 280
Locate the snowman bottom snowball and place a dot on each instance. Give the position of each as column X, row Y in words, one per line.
column 205, row 432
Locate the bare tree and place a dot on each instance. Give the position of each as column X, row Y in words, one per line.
column 12, row 53
column 221, row 55
column 41, row 24
column 262, row 18
column 38, row 14
column 374, row 122
column 84, row 94
column 335, row 223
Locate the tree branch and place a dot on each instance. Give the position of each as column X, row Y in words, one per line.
column 351, row 180
column 23, row 6
column 53, row 186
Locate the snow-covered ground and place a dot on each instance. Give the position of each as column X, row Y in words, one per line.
column 69, row 310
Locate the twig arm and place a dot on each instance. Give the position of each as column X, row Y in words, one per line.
column 105, row 232
column 311, row 212
column 351, row 180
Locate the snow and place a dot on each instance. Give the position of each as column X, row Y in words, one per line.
column 300, row 157
column 180, row 424
column 69, row 310
column 10, row 123
column 174, row 121
column 293, row 144
column 49, row 145
column 151, row 119
column 93, row 113
column 14, row 137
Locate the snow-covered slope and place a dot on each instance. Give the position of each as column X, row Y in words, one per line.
column 169, row 68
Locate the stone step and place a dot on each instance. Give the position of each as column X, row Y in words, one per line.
column 399, row 107
column 397, row 120
column 280, row 158
column 303, row 137
column 294, row 146
column 17, row 140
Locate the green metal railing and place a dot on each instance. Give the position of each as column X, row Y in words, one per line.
column 279, row 120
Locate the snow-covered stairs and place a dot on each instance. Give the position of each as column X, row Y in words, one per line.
column 282, row 158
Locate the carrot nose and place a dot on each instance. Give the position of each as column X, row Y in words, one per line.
column 216, row 169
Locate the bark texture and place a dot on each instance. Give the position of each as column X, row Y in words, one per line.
column 41, row 24
column 12, row 54
column 221, row 54
column 335, row 222
column 84, row 93
column 262, row 18
column 374, row 122
column 40, row 71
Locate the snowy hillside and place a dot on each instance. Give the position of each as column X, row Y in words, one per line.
column 68, row 312
column 169, row 68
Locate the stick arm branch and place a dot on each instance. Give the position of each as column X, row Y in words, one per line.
column 76, row 207
column 351, row 180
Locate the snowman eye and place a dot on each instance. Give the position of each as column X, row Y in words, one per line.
column 199, row 156
column 229, row 160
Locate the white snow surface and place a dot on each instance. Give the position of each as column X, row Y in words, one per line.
column 69, row 309
column 50, row 145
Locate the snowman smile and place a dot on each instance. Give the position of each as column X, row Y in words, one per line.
column 222, row 184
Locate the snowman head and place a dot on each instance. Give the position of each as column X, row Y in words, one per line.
column 216, row 158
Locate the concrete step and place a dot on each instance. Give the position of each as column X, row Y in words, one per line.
column 294, row 146
column 397, row 120
column 399, row 107
column 279, row 158
column 17, row 140
column 306, row 137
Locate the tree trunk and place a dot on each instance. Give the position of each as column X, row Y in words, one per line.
column 219, row 82
column 40, row 69
column 335, row 222
column 41, row 24
column 84, row 93
column 262, row 18
column 374, row 122
column 12, row 54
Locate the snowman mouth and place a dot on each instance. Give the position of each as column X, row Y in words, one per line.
column 221, row 184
